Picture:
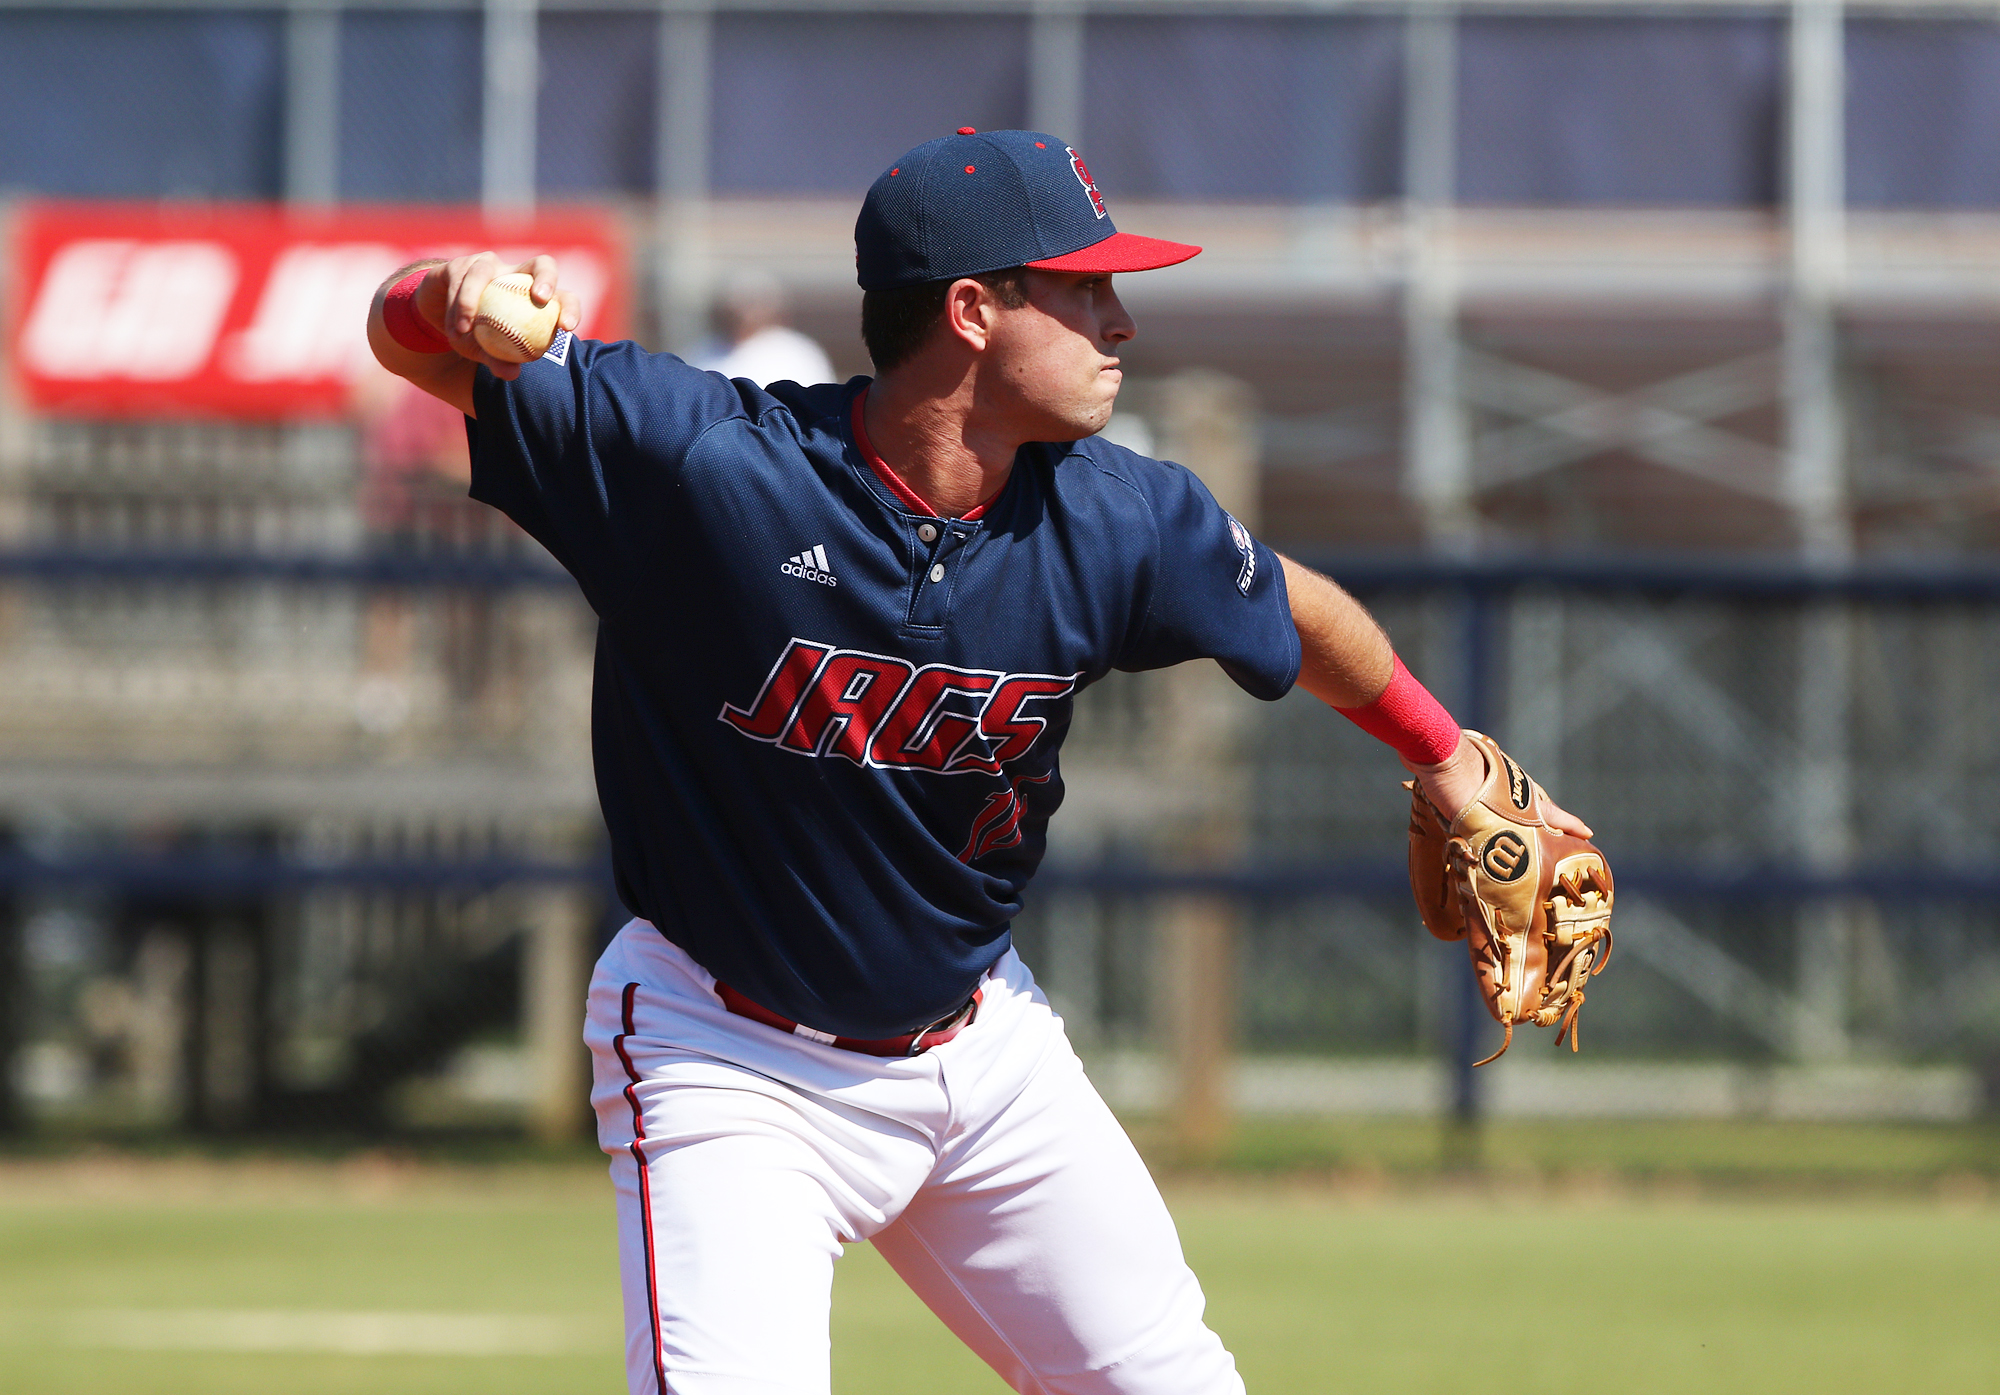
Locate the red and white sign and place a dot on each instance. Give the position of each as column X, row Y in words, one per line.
column 247, row 310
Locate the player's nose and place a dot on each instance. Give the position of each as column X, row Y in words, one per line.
column 1118, row 324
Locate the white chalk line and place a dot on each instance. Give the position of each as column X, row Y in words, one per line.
column 330, row 1333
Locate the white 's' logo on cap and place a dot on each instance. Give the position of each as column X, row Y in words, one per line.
column 1089, row 185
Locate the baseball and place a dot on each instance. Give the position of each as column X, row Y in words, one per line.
column 509, row 325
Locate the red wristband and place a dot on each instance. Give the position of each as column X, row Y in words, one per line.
column 1408, row 718
column 405, row 325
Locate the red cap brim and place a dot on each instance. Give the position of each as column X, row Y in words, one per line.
column 1121, row 252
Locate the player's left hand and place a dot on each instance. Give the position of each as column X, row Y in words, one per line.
column 450, row 298
column 1512, row 876
column 1453, row 783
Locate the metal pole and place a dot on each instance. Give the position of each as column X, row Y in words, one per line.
column 312, row 142
column 507, row 135
column 1816, row 488
column 1208, row 422
column 1437, row 461
column 680, row 177
column 1055, row 70
column 312, row 104
column 13, row 1002
column 555, row 980
column 1462, row 1142
column 1815, row 482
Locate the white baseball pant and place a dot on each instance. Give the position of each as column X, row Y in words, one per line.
column 987, row 1172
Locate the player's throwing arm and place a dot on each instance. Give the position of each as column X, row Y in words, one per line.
column 436, row 322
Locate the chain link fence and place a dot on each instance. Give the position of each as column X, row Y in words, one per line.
column 293, row 883
column 1793, row 775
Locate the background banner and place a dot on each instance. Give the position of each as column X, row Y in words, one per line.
column 246, row 310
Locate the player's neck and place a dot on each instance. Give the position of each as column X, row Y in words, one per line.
column 932, row 436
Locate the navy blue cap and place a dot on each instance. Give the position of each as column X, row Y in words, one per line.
column 983, row 201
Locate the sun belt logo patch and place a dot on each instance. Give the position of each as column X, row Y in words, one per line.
column 1240, row 535
column 1089, row 185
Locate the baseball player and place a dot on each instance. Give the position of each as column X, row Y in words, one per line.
column 841, row 632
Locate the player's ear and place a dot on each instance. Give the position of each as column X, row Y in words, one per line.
column 969, row 310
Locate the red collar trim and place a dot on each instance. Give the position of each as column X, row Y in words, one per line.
column 895, row 482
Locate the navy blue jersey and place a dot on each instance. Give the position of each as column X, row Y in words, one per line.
column 825, row 722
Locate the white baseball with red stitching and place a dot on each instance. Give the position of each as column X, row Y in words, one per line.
column 509, row 325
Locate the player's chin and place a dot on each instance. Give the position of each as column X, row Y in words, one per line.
column 1088, row 422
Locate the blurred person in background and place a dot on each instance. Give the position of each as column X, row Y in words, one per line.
column 756, row 342
column 414, row 461
column 415, row 470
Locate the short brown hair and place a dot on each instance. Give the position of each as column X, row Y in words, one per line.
column 896, row 322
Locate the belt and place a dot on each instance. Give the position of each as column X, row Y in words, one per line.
column 913, row 1044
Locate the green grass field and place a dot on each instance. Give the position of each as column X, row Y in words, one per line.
column 1758, row 1155
column 191, row 1276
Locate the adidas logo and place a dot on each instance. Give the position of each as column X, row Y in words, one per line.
column 811, row 565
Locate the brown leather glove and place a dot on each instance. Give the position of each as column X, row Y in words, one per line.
column 1533, row 904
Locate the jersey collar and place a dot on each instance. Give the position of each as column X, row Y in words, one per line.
column 895, row 483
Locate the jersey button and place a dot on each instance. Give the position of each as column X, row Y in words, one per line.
column 937, row 572
column 927, row 531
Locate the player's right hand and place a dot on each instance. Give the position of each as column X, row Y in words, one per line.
column 449, row 297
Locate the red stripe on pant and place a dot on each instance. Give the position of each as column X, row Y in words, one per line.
column 645, row 1186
